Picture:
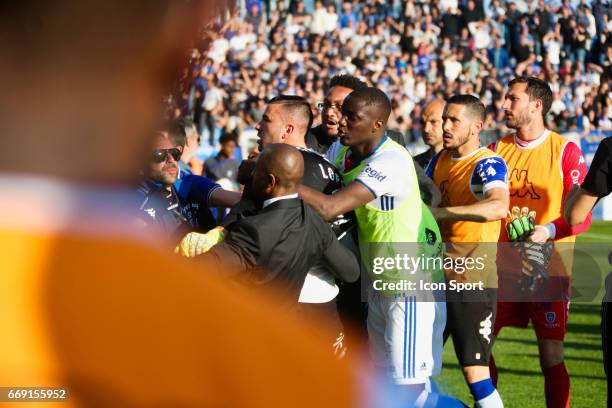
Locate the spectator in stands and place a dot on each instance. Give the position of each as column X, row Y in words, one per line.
column 412, row 52
column 224, row 165
column 189, row 163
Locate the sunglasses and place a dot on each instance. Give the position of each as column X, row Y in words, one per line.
column 161, row 155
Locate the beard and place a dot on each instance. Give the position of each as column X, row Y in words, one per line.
column 459, row 141
column 518, row 120
column 167, row 175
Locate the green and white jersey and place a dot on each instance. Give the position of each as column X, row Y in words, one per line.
column 396, row 214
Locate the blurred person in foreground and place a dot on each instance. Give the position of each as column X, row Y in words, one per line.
column 87, row 303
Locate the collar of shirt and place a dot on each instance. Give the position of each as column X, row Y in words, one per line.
column 275, row 199
column 348, row 158
column 532, row 144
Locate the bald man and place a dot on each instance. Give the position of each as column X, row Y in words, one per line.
column 278, row 244
column 287, row 119
column 432, row 131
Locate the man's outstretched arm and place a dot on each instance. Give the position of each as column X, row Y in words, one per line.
column 344, row 200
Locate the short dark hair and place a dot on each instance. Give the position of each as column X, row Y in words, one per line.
column 374, row 97
column 227, row 137
column 347, row 81
column 297, row 105
column 474, row 106
column 536, row 89
column 176, row 132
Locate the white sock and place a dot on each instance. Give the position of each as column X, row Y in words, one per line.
column 493, row 400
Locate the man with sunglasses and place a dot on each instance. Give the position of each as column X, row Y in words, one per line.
column 174, row 202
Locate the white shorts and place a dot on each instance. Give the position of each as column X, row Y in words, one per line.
column 406, row 336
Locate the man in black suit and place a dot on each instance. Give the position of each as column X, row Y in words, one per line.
column 277, row 245
column 287, row 119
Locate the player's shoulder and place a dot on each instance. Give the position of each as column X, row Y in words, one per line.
column 488, row 157
column 560, row 140
column 392, row 161
column 505, row 140
column 311, row 156
column 555, row 136
column 390, row 150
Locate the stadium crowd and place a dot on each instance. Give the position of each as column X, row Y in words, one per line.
column 412, row 50
column 256, row 318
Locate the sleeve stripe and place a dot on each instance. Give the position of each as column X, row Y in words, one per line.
column 387, row 203
column 494, row 184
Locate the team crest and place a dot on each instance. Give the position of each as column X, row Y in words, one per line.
column 430, row 236
column 551, row 317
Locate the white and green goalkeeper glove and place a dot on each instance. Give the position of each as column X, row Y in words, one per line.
column 521, row 223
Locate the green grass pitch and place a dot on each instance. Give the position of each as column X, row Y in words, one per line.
column 516, row 353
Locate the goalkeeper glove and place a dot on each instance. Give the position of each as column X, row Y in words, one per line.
column 534, row 273
column 521, row 223
column 194, row 243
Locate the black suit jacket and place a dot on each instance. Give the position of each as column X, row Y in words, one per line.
column 278, row 244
